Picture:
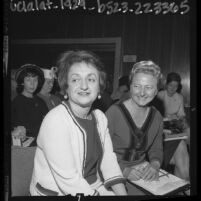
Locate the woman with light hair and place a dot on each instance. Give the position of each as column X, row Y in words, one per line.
column 136, row 128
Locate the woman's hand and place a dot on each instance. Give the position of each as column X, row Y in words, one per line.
column 137, row 171
column 151, row 171
column 135, row 174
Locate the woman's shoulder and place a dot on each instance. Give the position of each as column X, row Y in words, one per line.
column 19, row 99
column 57, row 115
column 101, row 114
column 157, row 113
column 179, row 96
column 113, row 112
column 57, row 110
column 161, row 93
column 113, row 108
column 38, row 98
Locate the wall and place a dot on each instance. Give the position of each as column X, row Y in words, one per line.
column 162, row 38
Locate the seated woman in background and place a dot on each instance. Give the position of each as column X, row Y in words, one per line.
column 174, row 109
column 137, row 129
column 28, row 110
column 45, row 93
column 122, row 92
column 74, row 152
column 173, row 102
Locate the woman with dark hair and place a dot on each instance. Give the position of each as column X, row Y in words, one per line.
column 28, row 109
column 173, row 105
column 173, row 102
column 74, row 152
column 171, row 97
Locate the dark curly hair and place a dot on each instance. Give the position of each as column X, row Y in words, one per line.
column 173, row 76
column 29, row 70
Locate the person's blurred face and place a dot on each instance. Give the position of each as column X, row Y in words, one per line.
column 48, row 84
column 123, row 89
column 83, row 84
column 172, row 87
column 143, row 88
column 30, row 84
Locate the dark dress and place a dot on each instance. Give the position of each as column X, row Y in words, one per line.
column 94, row 149
column 28, row 112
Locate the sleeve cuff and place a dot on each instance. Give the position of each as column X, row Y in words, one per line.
column 114, row 181
column 96, row 193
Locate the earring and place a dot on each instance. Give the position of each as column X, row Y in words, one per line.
column 66, row 96
column 99, row 96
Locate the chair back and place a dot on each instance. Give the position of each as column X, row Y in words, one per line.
column 22, row 162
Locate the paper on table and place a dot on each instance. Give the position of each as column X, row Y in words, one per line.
column 27, row 141
column 166, row 184
column 178, row 136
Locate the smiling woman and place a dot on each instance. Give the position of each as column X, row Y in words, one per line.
column 136, row 128
column 74, row 153
column 83, row 85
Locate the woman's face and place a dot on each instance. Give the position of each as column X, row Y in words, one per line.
column 48, row 84
column 143, row 88
column 172, row 87
column 30, row 84
column 83, row 84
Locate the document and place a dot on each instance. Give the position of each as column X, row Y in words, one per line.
column 178, row 136
column 166, row 184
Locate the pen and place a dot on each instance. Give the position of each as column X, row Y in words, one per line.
column 163, row 174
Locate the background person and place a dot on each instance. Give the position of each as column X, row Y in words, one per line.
column 122, row 92
column 74, row 153
column 173, row 107
column 136, row 128
column 105, row 101
column 28, row 110
column 173, row 102
column 45, row 93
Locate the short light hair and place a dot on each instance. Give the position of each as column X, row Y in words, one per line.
column 68, row 58
column 147, row 67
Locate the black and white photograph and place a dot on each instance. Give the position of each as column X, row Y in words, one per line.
column 99, row 99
